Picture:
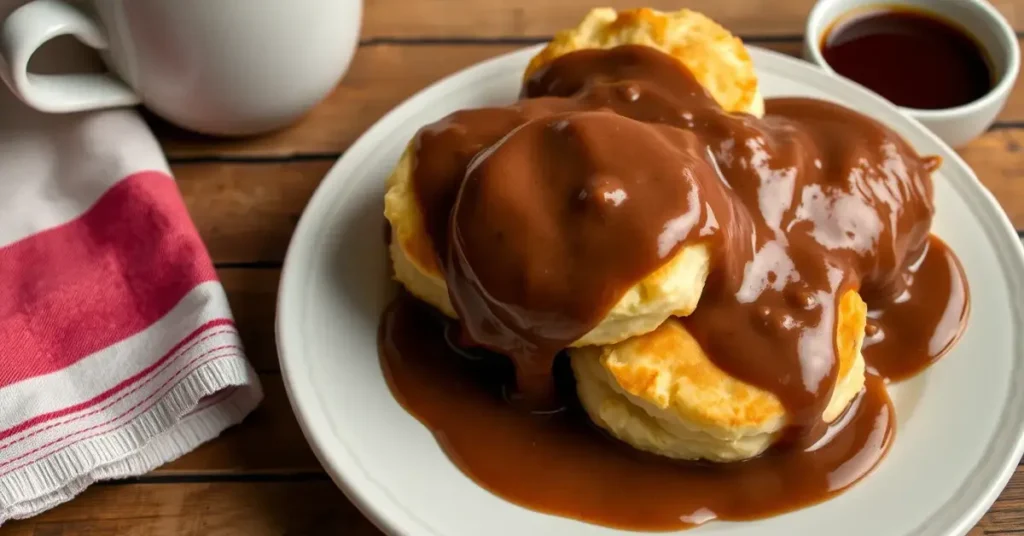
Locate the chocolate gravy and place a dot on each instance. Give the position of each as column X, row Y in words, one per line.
column 912, row 57
column 561, row 464
column 541, row 215
column 907, row 333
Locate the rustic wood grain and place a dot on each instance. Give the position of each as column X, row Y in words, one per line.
column 516, row 18
column 304, row 507
column 202, row 509
column 381, row 77
column 252, row 294
column 1014, row 110
column 1007, row 514
column 246, row 212
column 997, row 158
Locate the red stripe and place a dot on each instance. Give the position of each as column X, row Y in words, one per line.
column 184, row 372
column 35, row 421
column 129, row 392
column 70, row 291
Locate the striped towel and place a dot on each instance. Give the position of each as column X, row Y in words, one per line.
column 118, row 352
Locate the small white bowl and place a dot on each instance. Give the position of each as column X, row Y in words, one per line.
column 961, row 124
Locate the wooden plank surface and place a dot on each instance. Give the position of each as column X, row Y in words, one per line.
column 246, row 212
column 305, row 507
column 252, row 293
column 517, row 18
column 997, row 158
column 245, row 196
column 1014, row 110
column 298, row 508
column 381, row 77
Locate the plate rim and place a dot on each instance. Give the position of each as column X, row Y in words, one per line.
column 305, row 407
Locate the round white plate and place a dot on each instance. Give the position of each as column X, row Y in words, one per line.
column 959, row 433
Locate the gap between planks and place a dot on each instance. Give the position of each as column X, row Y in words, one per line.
column 534, row 40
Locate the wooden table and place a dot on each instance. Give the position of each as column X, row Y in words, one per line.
column 246, row 196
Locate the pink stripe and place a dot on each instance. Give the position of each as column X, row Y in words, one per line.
column 120, row 398
column 35, row 421
column 75, row 289
column 184, row 372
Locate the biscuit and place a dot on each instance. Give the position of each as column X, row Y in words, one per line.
column 672, row 289
column 717, row 59
column 660, row 392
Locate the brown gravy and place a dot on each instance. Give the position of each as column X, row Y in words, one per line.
column 912, row 58
column 909, row 333
column 541, row 214
column 561, row 464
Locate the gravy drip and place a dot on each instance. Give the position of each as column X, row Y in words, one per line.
column 543, row 213
column 908, row 332
column 559, row 463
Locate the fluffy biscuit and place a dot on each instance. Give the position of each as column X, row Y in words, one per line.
column 672, row 289
column 411, row 250
column 660, row 393
column 717, row 59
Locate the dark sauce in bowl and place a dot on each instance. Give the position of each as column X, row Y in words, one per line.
column 913, row 58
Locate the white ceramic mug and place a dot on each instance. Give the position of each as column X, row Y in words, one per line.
column 222, row 67
column 961, row 124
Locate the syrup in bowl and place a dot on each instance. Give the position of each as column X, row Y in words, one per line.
column 913, row 58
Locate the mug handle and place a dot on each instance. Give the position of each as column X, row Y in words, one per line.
column 27, row 29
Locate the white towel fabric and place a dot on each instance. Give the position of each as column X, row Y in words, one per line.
column 118, row 352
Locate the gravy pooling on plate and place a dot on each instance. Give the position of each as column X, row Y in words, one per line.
column 544, row 212
column 560, row 463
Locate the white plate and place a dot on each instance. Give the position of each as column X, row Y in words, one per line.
column 959, row 432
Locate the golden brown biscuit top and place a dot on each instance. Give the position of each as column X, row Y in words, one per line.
column 668, row 369
column 717, row 59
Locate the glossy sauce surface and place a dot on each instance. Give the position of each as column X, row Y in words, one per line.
column 546, row 212
column 909, row 332
column 912, row 58
column 542, row 214
column 560, row 463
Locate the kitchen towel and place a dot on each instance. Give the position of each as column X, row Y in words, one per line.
column 118, row 352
